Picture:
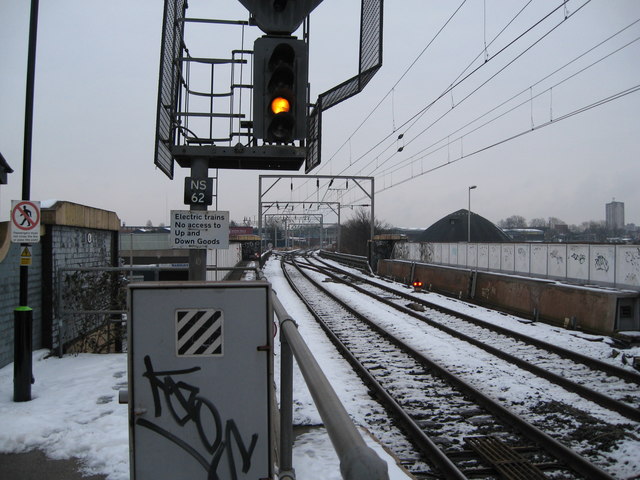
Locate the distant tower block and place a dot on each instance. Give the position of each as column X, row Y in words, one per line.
column 615, row 215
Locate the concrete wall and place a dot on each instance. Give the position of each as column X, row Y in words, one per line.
column 594, row 309
column 602, row 264
column 229, row 257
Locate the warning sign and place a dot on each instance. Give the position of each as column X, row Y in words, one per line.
column 199, row 229
column 25, row 221
column 26, row 257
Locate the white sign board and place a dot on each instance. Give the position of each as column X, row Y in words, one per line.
column 25, row 221
column 199, row 229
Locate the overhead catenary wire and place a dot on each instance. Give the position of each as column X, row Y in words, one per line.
column 392, row 89
column 462, row 77
column 475, row 90
column 456, row 82
column 378, row 166
column 583, row 109
column 577, row 111
column 404, row 74
column 413, row 120
column 403, row 162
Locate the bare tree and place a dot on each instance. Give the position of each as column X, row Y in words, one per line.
column 537, row 223
column 514, row 221
column 356, row 231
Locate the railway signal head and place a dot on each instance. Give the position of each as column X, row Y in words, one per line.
column 279, row 16
column 280, row 89
column 417, row 285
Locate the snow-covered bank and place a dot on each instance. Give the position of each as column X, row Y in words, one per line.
column 75, row 410
column 74, row 413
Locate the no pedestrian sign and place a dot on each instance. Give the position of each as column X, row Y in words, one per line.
column 199, row 229
column 25, row 221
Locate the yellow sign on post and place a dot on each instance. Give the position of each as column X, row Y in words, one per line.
column 26, row 257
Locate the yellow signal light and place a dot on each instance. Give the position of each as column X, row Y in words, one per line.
column 280, row 105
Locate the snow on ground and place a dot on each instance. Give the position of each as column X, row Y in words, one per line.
column 601, row 347
column 519, row 391
column 74, row 411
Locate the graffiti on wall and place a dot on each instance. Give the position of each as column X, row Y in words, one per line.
column 604, row 264
column 483, row 255
column 426, row 252
column 522, row 260
column 632, row 259
column 579, row 257
column 186, row 406
column 557, row 256
column 508, row 254
column 601, row 263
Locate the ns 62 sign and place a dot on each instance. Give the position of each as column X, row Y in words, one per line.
column 198, row 191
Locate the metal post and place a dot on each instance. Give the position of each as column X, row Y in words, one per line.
column 373, row 227
column 357, row 460
column 469, row 216
column 23, row 320
column 338, row 230
column 373, row 205
column 286, row 409
column 22, row 348
column 260, row 232
column 198, row 258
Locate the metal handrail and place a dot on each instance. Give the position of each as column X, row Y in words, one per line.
column 357, row 460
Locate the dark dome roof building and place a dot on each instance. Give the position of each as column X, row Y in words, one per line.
column 453, row 228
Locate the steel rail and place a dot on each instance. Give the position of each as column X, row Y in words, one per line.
column 428, row 448
column 556, row 449
column 576, row 356
column 601, row 399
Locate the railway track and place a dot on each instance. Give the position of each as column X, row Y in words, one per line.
column 458, row 431
column 475, row 423
column 608, row 385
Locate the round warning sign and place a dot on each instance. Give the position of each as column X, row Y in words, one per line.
column 25, row 221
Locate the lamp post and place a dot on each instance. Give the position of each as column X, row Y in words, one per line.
column 469, row 215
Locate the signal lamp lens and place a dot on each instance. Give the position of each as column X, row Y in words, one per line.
column 280, row 105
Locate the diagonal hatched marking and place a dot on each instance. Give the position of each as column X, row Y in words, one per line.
column 199, row 332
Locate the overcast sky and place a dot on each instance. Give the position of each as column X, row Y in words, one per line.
column 96, row 90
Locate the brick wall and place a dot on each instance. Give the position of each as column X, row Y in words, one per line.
column 71, row 247
column 10, row 295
